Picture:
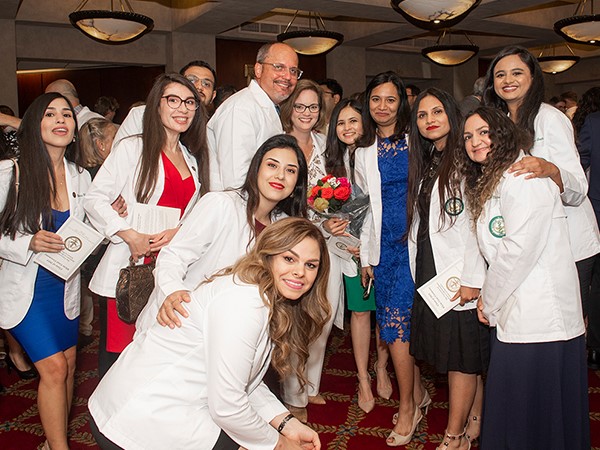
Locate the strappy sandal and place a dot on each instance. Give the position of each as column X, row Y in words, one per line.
column 449, row 438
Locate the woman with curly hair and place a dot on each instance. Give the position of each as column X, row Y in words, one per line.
column 530, row 297
column 200, row 386
column 456, row 344
column 515, row 85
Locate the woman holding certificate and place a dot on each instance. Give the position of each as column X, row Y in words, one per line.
column 439, row 228
column 38, row 308
column 154, row 168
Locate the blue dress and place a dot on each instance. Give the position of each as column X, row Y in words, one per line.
column 394, row 288
column 45, row 329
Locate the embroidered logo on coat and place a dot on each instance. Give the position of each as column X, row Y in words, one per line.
column 497, row 227
column 454, row 206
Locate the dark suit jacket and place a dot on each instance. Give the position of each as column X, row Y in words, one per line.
column 589, row 151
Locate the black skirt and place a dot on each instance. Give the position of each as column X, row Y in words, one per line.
column 536, row 396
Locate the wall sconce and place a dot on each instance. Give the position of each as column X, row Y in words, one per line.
column 434, row 14
column 556, row 64
column 313, row 41
column 580, row 28
column 450, row 54
column 111, row 27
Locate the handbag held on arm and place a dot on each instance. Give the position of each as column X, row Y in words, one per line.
column 134, row 286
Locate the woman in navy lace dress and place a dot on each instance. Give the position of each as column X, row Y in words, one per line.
column 382, row 172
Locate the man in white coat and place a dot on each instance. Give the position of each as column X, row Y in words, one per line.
column 250, row 116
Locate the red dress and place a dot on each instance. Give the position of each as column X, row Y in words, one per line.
column 176, row 194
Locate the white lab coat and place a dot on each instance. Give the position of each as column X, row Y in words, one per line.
column 554, row 141
column 213, row 236
column 118, row 176
column 132, row 125
column 178, row 388
column 531, row 290
column 17, row 269
column 234, row 133
column 366, row 173
column 448, row 242
column 84, row 115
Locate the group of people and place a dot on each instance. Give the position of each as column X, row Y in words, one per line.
column 245, row 280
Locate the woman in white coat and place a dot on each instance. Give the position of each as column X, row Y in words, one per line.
column 456, row 344
column 536, row 389
column 515, row 84
column 200, row 386
column 166, row 166
column 223, row 226
column 38, row 308
column 301, row 116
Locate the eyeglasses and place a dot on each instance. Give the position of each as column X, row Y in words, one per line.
column 280, row 68
column 300, row 108
column 204, row 82
column 174, row 102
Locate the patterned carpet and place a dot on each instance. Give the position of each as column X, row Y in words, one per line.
column 340, row 423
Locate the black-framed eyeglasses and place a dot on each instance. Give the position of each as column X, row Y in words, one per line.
column 300, row 108
column 204, row 82
column 174, row 101
column 280, row 68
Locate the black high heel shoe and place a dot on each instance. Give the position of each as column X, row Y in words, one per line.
column 29, row 374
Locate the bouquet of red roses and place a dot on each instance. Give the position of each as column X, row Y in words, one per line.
column 329, row 194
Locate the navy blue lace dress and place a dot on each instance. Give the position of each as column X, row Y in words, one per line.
column 394, row 288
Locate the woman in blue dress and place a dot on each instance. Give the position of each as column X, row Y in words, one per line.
column 382, row 172
column 38, row 308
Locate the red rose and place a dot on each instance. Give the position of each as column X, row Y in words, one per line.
column 342, row 193
column 326, row 178
column 315, row 191
column 327, row 193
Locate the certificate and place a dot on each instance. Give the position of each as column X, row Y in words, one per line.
column 338, row 245
column 80, row 240
column 152, row 219
column 438, row 291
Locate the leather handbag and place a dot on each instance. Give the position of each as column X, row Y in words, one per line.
column 134, row 286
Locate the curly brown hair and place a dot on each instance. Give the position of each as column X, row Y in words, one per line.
column 507, row 141
column 293, row 325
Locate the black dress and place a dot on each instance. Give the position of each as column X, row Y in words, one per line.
column 457, row 341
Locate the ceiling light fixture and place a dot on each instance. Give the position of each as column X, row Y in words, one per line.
column 111, row 27
column 450, row 54
column 580, row 28
column 313, row 41
column 434, row 14
column 556, row 64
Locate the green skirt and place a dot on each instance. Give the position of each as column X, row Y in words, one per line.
column 354, row 294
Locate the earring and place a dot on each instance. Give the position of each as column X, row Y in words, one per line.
column 74, row 139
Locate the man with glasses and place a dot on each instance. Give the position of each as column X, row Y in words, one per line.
column 332, row 94
column 199, row 73
column 251, row 116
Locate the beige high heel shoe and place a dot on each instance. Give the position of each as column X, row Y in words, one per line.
column 384, row 384
column 449, row 438
column 395, row 439
column 424, row 404
column 366, row 405
column 470, row 435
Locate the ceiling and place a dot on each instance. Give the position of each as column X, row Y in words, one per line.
column 371, row 24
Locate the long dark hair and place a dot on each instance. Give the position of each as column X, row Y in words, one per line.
column 295, row 204
column 37, row 180
column 336, row 149
column 154, row 138
column 589, row 103
column 402, row 116
column 534, row 96
column 507, row 141
column 421, row 152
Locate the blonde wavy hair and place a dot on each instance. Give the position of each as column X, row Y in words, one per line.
column 293, row 325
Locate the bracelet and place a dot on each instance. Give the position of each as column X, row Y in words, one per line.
column 285, row 420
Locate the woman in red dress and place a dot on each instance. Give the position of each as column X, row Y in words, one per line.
column 166, row 165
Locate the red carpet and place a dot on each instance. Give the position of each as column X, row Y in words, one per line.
column 340, row 423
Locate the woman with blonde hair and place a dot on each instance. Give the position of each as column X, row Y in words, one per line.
column 96, row 142
column 200, row 385
column 301, row 116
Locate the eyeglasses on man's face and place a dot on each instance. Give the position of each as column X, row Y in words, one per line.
column 204, row 82
column 300, row 108
column 175, row 101
column 280, row 68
